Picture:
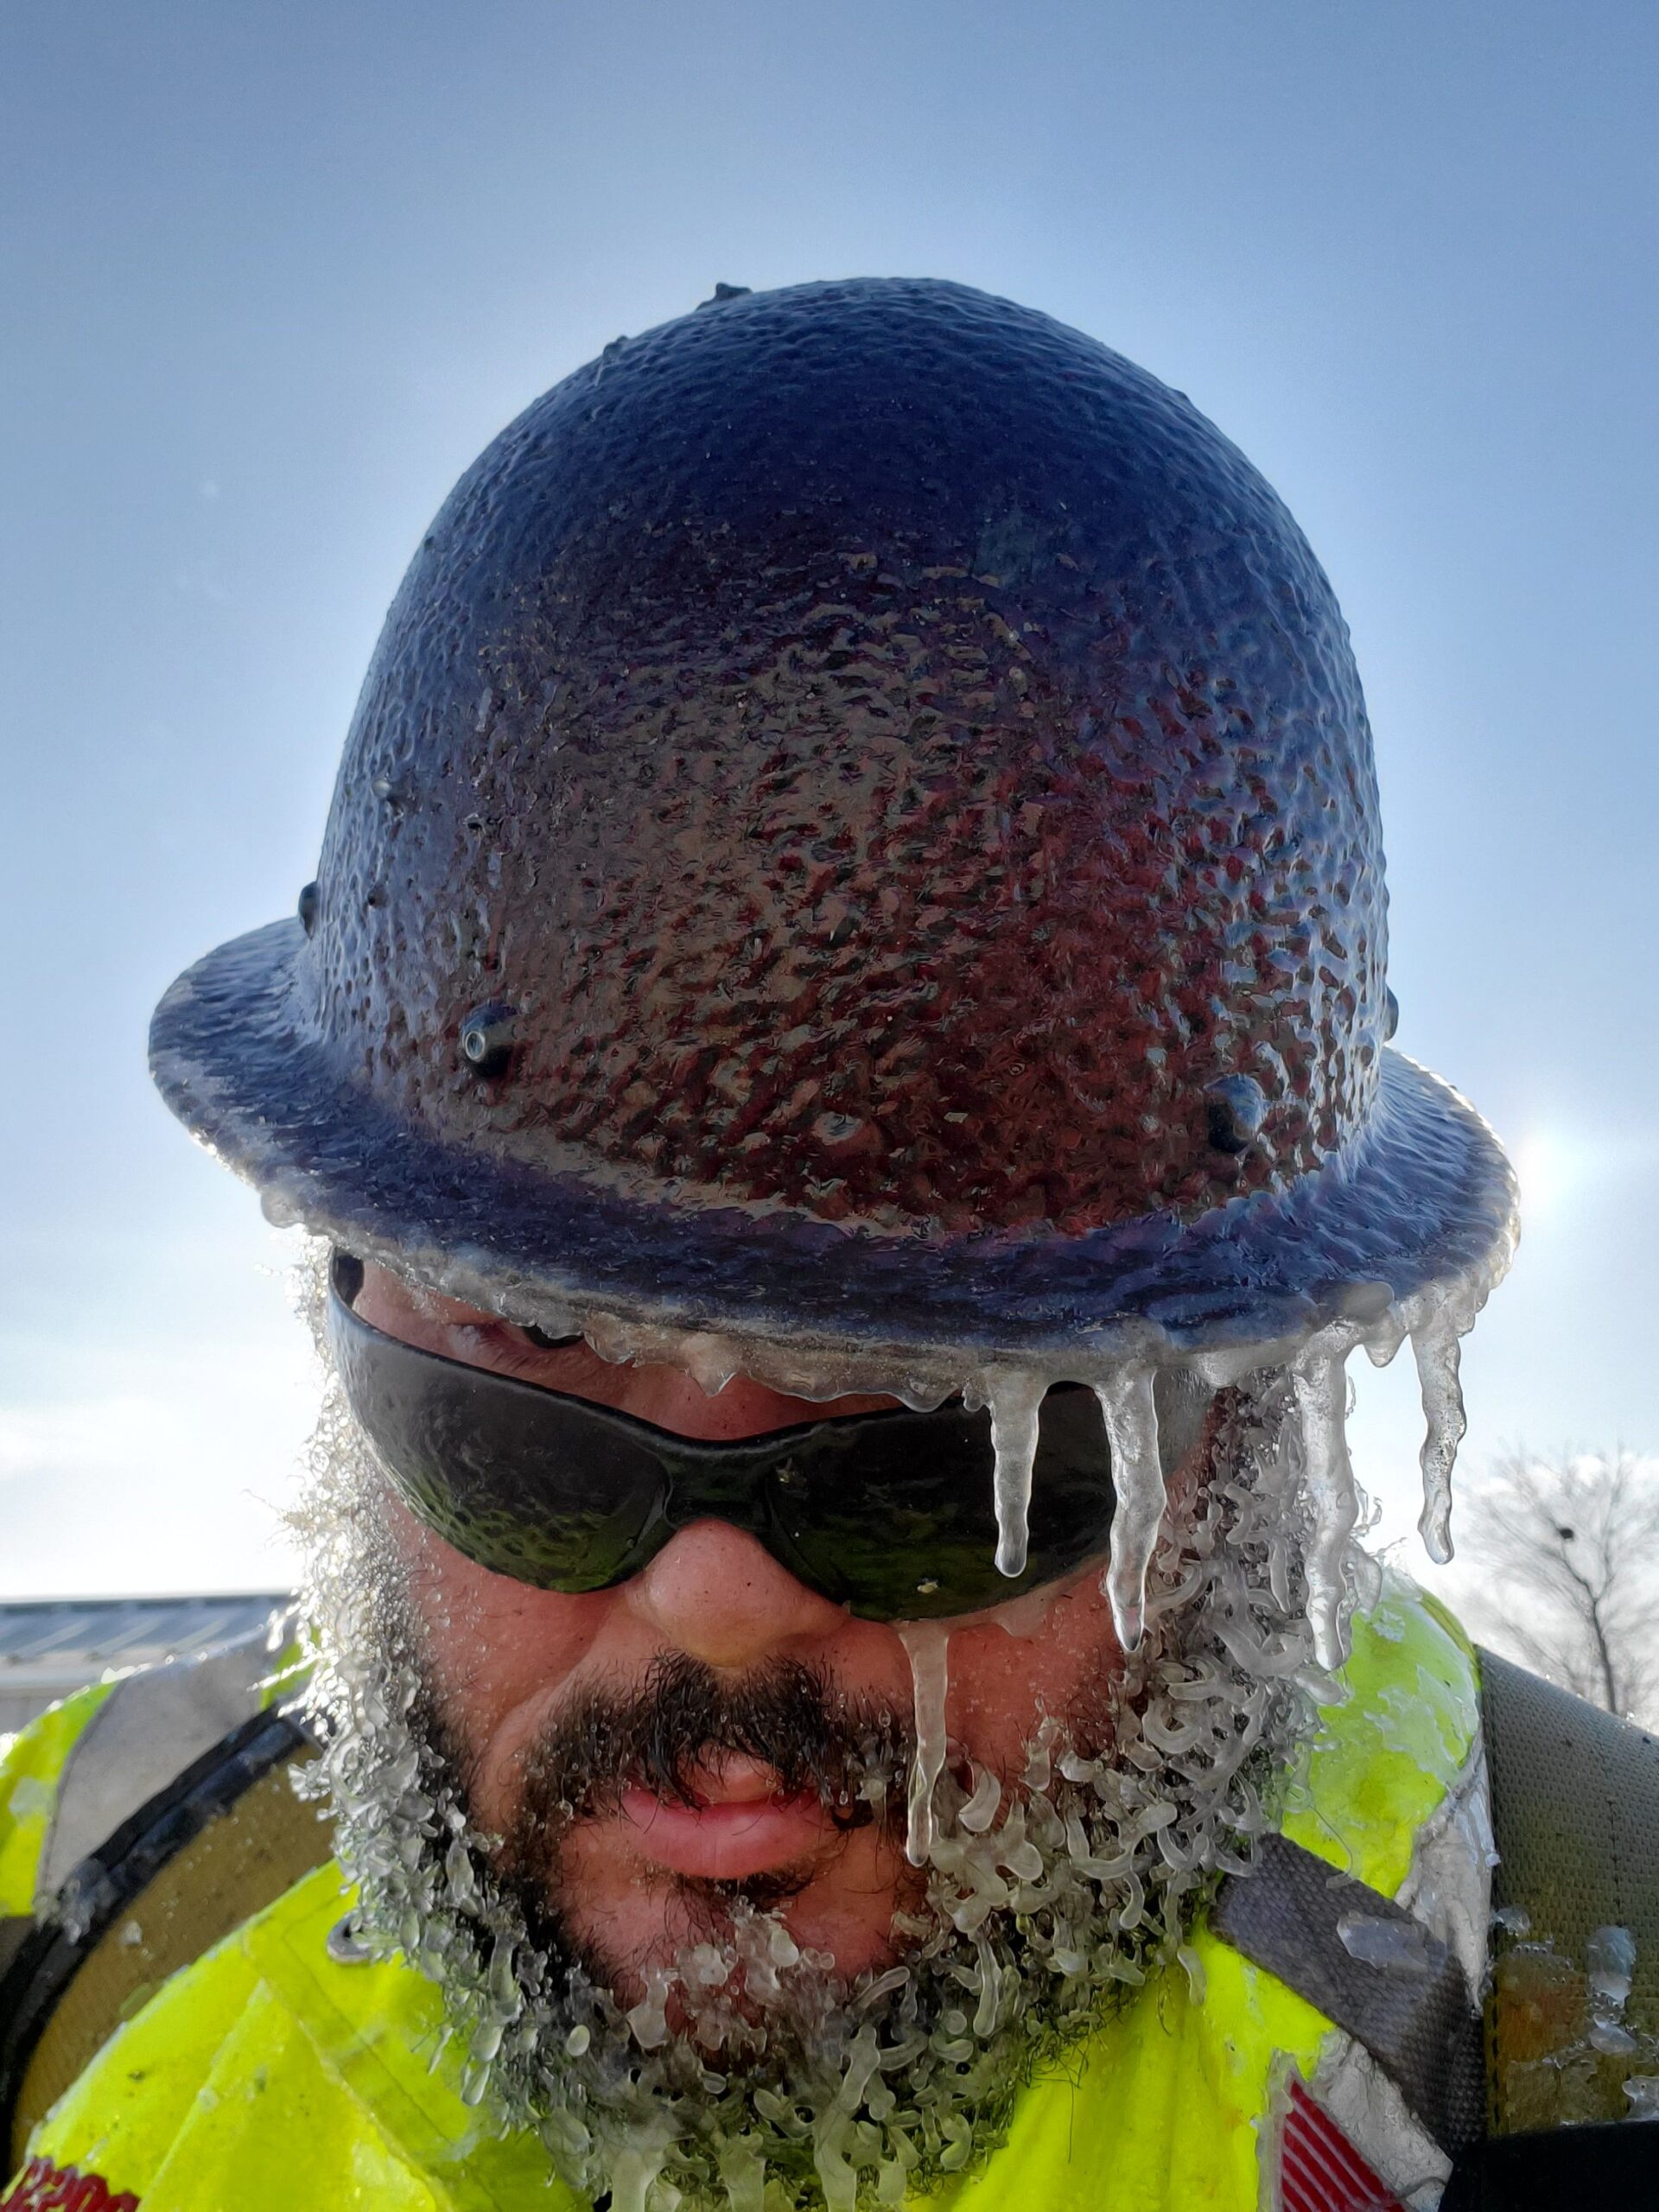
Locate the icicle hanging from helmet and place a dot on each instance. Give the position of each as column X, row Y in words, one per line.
column 1123, row 1378
column 1016, row 1402
column 1131, row 1416
column 1437, row 1351
column 1319, row 1378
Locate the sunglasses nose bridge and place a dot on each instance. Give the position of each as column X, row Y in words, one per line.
column 728, row 1487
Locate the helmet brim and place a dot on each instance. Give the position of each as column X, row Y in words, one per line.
column 1424, row 1200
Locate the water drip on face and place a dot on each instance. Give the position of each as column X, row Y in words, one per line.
column 928, row 1646
column 1438, row 1352
column 1320, row 1382
column 1026, row 1616
column 1015, row 1403
column 1131, row 1417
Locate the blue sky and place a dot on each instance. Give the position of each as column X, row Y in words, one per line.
column 274, row 276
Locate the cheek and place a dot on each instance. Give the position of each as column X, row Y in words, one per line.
column 1061, row 1660
column 498, row 1652
column 503, row 1656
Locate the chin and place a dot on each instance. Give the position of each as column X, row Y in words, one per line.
column 628, row 1919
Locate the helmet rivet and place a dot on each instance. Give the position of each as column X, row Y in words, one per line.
column 308, row 909
column 1237, row 1106
column 486, row 1038
column 1391, row 1015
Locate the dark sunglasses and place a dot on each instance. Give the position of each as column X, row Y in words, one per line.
column 890, row 1514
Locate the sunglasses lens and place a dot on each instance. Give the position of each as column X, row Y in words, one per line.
column 512, row 1476
column 896, row 1517
column 892, row 1514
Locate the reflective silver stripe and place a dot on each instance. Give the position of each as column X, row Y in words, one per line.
column 146, row 1730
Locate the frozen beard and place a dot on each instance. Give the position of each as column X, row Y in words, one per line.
column 750, row 2070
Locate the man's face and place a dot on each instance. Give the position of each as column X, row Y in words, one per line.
column 651, row 1842
column 713, row 1638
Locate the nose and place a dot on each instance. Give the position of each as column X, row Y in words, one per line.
column 717, row 1595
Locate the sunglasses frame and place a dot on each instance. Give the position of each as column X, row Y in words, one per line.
column 482, row 1459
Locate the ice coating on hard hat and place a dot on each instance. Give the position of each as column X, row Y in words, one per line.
column 694, row 1131
column 938, row 1110
column 817, row 756
column 1131, row 1417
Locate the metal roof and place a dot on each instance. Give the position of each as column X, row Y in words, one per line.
column 50, row 1646
column 43, row 1637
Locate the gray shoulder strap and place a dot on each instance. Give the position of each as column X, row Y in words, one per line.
column 1369, row 1964
column 1575, row 1817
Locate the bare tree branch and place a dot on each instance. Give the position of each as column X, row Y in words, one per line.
column 1569, row 1549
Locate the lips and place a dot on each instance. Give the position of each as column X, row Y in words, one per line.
column 741, row 1823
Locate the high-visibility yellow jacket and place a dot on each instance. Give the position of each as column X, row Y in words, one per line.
column 267, row 2076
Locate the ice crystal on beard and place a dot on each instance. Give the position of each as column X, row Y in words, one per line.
column 1046, row 1903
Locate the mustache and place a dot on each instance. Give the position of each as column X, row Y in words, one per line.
column 682, row 1717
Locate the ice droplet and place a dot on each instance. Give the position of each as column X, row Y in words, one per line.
column 1610, row 1964
column 649, row 2018
column 1015, row 1401
column 345, row 1947
column 1131, row 1417
column 1318, row 1379
column 928, row 1644
column 1379, row 1940
column 1437, row 1350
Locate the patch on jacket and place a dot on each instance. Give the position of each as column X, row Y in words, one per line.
column 42, row 2187
column 1319, row 2170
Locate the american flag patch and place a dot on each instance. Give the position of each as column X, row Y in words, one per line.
column 1319, row 2170
column 42, row 2187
